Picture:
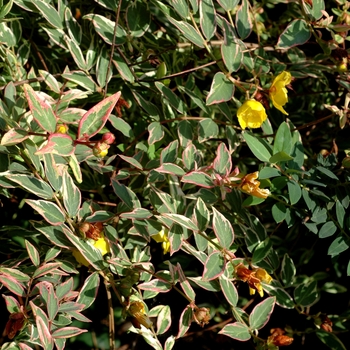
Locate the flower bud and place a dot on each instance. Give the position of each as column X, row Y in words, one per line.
column 137, row 312
column 108, row 138
column 100, row 150
column 202, row 316
column 14, row 324
column 62, row 129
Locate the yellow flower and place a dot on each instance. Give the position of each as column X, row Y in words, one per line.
column 61, row 128
column 101, row 244
column 278, row 92
column 263, row 275
column 250, row 185
column 251, row 114
column 162, row 237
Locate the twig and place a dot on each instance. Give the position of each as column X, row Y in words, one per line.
column 110, row 317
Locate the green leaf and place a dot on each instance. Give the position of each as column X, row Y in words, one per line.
column 188, row 31
column 328, row 229
column 105, row 29
column 82, row 80
column 296, row 33
column 4, row 10
column 229, row 290
column 123, row 68
column 104, row 72
column 283, row 139
column 49, row 13
column 261, row 313
column 12, row 285
column 201, row 215
column 338, row 246
column 121, row 125
column 327, row 172
column 221, row 90
column 331, row 340
column 76, row 53
column 14, row 136
column 168, row 168
column 164, row 320
column 126, row 195
column 280, row 157
column 74, row 28
column 33, row 253
column 261, row 250
column 33, row 185
column 237, row 330
column 228, row 5
column 41, row 110
column 340, row 212
column 283, row 299
column 198, row 178
column 181, row 220
column 260, row 148
column 288, row 270
column 244, row 23
column 96, row 117
column 306, row 294
column 50, row 81
column 49, row 211
column 207, row 129
column 88, row 292
column 71, row 195
column 214, row 266
column 207, row 18
column 294, row 191
column 279, row 212
column 169, row 153
column 138, row 18
column 222, row 229
column 156, row 132
column 67, row 332
column 314, row 12
column 174, row 100
column 57, row 143
column 222, row 163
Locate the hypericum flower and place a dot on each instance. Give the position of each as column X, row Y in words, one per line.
column 278, row 338
column 278, row 92
column 253, row 278
column 137, row 311
column 101, row 244
column 250, row 185
column 162, row 237
column 251, row 114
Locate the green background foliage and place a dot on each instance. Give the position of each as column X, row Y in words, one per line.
column 118, row 122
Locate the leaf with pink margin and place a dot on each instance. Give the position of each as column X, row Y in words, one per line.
column 12, row 304
column 222, row 163
column 156, row 285
column 198, row 178
column 185, row 321
column 60, row 144
column 96, row 117
column 261, row 313
column 223, row 229
column 237, row 330
column 49, row 211
column 12, row 285
column 41, row 110
column 214, row 266
column 14, row 136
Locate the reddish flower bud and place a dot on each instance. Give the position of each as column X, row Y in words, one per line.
column 14, row 324
column 108, row 138
column 282, row 340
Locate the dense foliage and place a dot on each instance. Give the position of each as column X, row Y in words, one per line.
column 174, row 173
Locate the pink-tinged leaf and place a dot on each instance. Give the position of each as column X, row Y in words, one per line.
column 14, row 273
column 60, row 343
column 156, row 132
column 68, row 332
column 185, row 321
column 12, row 285
column 52, row 303
column 156, row 285
column 172, row 169
column 24, row 346
column 222, row 163
column 33, row 253
column 46, row 269
column 57, row 143
column 71, row 306
column 88, row 292
column 198, row 178
column 95, row 118
column 229, row 290
column 132, row 161
column 244, row 23
column 44, row 334
column 237, row 330
column 71, row 195
column 223, row 229
column 181, row 220
column 164, row 320
column 221, row 90
column 138, row 214
column 64, row 288
column 78, row 316
column 41, row 110
column 214, row 266
column 12, row 304
column 261, row 313
column 49, row 211
column 14, row 136
column 185, row 284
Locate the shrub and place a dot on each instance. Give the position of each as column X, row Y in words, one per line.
column 191, row 155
